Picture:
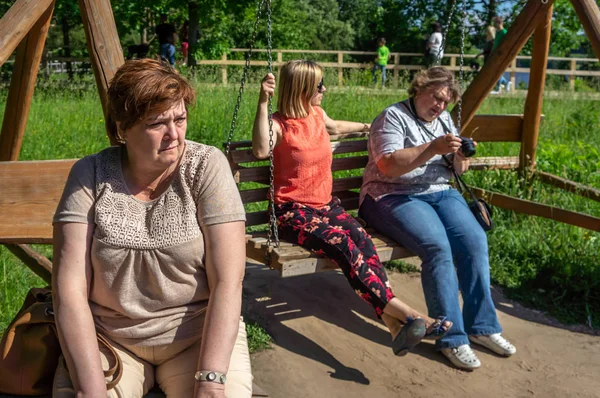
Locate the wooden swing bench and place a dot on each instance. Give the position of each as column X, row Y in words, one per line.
column 350, row 157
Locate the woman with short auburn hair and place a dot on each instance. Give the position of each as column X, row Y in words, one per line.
column 308, row 214
column 149, row 251
column 406, row 195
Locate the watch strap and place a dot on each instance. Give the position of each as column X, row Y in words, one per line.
column 210, row 376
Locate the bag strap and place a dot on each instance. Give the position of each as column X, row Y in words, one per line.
column 116, row 372
column 461, row 185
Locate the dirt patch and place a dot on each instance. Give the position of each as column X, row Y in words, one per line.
column 328, row 343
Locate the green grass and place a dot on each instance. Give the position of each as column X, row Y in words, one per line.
column 546, row 265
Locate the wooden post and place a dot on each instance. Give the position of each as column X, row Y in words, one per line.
column 396, row 69
column 17, row 22
column 340, row 69
column 103, row 44
column 572, row 76
column 22, row 84
column 513, row 73
column 32, row 259
column 452, row 61
column 224, row 69
column 589, row 15
column 535, row 94
column 526, row 22
column 279, row 62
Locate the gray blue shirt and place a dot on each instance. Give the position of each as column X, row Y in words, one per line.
column 395, row 128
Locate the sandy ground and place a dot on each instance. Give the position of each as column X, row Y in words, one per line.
column 328, row 343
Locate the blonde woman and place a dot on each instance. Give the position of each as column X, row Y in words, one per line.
column 306, row 211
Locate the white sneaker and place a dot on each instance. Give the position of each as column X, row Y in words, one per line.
column 496, row 343
column 495, row 92
column 508, row 86
column 462, row 357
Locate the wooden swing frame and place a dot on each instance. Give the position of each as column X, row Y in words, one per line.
column 31, row 190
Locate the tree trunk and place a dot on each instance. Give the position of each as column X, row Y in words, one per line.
column 492, row 7
column 67, row 45
column 194, row 14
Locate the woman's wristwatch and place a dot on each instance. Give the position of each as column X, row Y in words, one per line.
column 210, row 376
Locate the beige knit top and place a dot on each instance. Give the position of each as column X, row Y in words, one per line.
column 149, row 284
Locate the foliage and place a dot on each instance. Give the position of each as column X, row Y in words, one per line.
column 258, row 338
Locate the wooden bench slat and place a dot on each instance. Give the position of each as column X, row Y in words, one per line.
column 245, row 155
column 30, row 192
column 262, row 173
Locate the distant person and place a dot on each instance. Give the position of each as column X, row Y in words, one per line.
column 380, row 63
column 434, row 51
column 500, row 33
column 490, row 35
column 166, row 39
column 185, row 37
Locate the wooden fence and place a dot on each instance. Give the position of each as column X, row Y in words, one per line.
column 451, row 61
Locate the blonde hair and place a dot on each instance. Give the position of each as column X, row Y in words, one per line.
column 434, row 76
column 297, row 86
column 490, row 33
column 141, row 87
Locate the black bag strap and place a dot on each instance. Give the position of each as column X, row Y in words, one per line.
column 461, row 185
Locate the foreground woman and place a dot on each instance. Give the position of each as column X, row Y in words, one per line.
column 308, row 215
column 149, row 251
column 406, row 194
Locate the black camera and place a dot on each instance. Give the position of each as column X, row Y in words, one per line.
column 467, row 147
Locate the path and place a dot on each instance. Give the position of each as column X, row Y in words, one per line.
column 329, row 344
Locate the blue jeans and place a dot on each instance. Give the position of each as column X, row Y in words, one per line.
column 376, row 67
column 167, row 52
column 442, row 231
column 503, row 81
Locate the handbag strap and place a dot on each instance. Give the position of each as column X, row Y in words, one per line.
column 461, row 185
column 116, row 372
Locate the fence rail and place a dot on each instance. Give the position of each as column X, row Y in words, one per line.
column 59, row 64
column 395, row 66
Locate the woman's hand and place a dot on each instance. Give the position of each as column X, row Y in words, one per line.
column 461, row 163
column 448, row 143
column 267, row 87
column 205, row 389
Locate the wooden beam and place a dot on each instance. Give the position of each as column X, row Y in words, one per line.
column 17, row 22
column 589, row 15
column 519, row 32
column 535, row 92
column 32, row 259
column 539, row 210
column 103, row 44
column 495, row 128
column 30, row 194
column 22, row 84
column 569, row 186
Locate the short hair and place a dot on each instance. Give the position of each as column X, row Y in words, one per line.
column 297, row 85
column 381, row 40
column 432, row 77
column 436, row 27
column 498, row 20
column 141, row 87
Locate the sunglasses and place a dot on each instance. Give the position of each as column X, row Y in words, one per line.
column 320, row 86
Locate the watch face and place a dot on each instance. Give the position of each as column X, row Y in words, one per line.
column 211, row 376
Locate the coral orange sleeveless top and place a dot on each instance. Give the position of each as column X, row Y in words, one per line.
column 302, row 161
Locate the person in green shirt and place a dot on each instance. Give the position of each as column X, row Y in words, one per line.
column 500, row 33
column 383, row 53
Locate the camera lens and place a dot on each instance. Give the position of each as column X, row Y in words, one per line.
column 467, row 147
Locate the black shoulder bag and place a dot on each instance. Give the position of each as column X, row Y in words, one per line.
column 479, row 207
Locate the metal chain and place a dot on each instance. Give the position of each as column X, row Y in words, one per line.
column 272, row 218
column 244, row 75
column 445, row 32
column 462, row 61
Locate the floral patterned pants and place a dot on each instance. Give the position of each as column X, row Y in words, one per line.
column 335, row 234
